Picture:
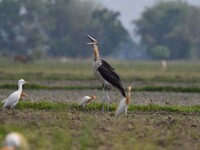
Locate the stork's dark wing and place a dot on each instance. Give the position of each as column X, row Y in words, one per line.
column 109, row 74
column 107, row 65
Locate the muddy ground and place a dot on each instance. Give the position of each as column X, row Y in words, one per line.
column 72, row 129
column 161, row 98
column 143, row 98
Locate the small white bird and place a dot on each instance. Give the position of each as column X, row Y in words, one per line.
column 163, row 65
column 86, row 99
column 13, row 98
column 124, row 104
column 15, row 141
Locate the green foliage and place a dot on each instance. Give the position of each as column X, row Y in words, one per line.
column 169, row 89
column 170, row 23
column 45, row 105
column 142, row 88
column 113, row 33
column 160, row 52
column 57, row 27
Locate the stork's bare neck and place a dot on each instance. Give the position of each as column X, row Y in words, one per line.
column 96, row 52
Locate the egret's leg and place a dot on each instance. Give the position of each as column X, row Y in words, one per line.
column 13, row 111
column 116, row 117
column 126, row 112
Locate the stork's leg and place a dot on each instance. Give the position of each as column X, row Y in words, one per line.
column 107, row 97
column 103, row 100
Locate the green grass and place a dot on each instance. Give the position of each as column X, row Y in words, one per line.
column 179, row 71
column 148, row 88
column 44, row 87
column 59, row 125
column 97, row 106
column 52, row 126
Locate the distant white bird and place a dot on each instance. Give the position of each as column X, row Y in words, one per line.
column 86, row 99
column 163, row 65
column 15, row 141
column 13, row 98
column 124, row 104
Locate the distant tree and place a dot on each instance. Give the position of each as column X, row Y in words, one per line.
column 112, row 33
column 9, row 24
column 192, row 31
column 20, row 28
column 58, row 26
column 160, row 52
column 70, row 21
column 32, row 24
column 170, row 24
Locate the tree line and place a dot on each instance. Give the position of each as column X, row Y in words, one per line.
column 58, row 27
column 170, row 30
column 167, row 30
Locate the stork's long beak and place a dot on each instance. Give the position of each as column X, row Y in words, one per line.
column 26, row 82
column 93, row 41
column 91, row 38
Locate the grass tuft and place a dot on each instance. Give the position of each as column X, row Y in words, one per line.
column 144, row 88
column 112, row 107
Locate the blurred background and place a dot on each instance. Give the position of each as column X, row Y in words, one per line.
column 136, row 30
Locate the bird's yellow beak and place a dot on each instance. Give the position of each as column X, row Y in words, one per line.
column 26, row 82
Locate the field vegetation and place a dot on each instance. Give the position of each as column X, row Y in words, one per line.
column 63, row 124
column 177, row 71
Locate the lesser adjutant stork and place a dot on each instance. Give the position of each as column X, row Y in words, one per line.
column 104, row 72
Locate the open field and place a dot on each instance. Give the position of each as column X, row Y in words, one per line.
column 164, row 111
column 181, row 71
column 70, row 128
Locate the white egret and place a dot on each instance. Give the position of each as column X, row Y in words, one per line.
column 87, row 99
column 124, row 104
column 13, row 98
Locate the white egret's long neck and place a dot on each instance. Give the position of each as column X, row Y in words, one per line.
column 128, row 97
column 20, row 87
column 96, row 53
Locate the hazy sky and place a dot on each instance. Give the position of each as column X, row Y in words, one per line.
column 132, row 9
